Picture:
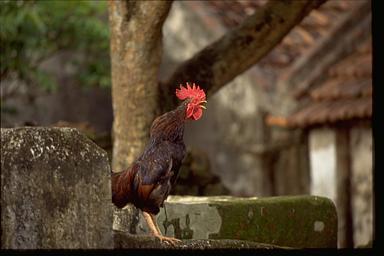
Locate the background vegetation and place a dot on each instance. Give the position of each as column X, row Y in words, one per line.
column 33, row 31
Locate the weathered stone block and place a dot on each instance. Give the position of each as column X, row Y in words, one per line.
column 55, row 190
column 292, row 221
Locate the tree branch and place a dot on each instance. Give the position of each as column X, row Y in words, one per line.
column 238, row 50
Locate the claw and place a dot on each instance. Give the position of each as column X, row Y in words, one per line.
column 171, row 240
column 155, row 231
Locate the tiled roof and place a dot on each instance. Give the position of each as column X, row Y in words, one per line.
column 345, row 94
column 362, row 60
column 327, row 112
column 338, row 88
column 304, row 36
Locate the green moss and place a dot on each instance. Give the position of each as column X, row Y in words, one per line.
column 286, row 221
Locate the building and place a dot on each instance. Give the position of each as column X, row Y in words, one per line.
column 248, row 129
column 337, row 115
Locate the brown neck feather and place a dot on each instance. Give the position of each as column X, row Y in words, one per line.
column 169, row 126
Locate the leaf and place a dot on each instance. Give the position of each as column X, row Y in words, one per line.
column 45, row 81
column 37, row 21
column 32, row 31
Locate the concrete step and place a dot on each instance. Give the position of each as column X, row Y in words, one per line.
column 292, row 221
column 124, row 240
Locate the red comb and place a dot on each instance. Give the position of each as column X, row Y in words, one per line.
column 193, row 92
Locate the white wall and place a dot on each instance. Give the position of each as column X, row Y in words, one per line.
column 323, row 163
column 362, row 188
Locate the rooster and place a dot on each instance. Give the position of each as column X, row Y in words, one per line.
column 148, row 181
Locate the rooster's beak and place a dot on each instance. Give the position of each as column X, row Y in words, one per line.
column 202, row 106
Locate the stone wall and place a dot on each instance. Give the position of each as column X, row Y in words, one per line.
column 55, row 190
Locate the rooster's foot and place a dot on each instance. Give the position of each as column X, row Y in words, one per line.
column 170, row 240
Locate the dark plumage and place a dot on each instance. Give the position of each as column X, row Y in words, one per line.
column 147, row 183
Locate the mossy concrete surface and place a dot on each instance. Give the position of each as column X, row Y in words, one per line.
column 292, row 221
column 124, row 240
column 55, row 190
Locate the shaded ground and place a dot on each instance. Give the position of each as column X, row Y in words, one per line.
column 125, row 240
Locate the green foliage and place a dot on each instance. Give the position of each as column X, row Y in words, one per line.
column 32, row 31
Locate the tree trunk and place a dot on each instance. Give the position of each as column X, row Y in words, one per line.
column 136, row 44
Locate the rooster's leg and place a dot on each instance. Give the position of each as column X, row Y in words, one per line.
column 155, row 222
column 155, row 230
